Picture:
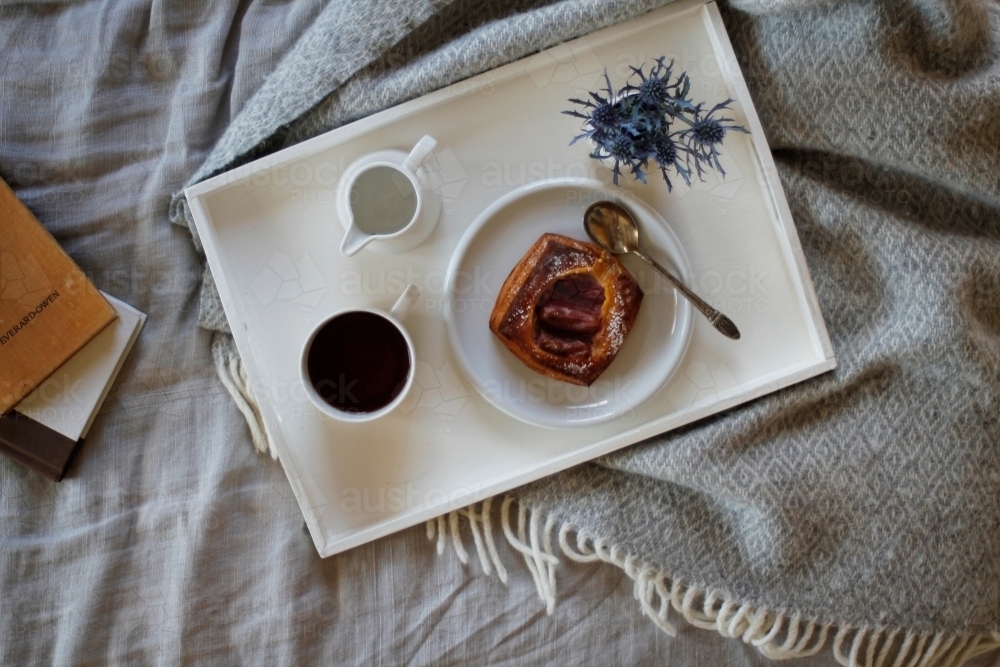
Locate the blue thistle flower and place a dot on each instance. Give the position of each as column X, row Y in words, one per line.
column 621, row 148
column 634, row 125
column 665, row 150
column 604, row 116
column 654, row 90
column 657, row 93
column 667, row 153
column 706, row 133
column 603, row 113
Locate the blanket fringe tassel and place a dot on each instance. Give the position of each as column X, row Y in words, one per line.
column 776, row 634
column 229, row 367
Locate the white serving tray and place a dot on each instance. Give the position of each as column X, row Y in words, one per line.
column 271, row 236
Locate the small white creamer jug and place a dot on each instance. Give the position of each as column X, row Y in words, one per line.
column 386, row 199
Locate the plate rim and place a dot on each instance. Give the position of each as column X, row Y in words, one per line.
column 685, row 311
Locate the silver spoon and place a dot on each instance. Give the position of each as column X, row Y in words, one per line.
column 614, row 229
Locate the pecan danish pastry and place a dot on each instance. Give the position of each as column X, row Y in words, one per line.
column 566, row 309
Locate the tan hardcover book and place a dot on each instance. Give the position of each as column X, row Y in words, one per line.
column 48, row 308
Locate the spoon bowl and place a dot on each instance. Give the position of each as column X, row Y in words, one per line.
column 604, row 224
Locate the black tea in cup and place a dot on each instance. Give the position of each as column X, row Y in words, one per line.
column 358, row 362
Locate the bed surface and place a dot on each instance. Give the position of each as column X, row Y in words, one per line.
column 171, row 541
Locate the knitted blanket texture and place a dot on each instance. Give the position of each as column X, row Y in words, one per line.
column 859, row 509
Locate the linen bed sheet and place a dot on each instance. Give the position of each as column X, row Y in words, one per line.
column 170, row 541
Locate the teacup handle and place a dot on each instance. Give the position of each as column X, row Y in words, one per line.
column 419, row 153
column 405, row 301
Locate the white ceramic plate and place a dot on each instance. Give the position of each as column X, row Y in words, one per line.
column 496, row 241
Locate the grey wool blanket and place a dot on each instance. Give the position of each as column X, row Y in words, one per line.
column 857, row 512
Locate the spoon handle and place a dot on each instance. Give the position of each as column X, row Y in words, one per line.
column 722, row 323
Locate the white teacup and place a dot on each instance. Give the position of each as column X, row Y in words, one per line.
column 386, row 199
column 358, row 364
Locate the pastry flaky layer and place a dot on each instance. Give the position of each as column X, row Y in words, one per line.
column 566, row 309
